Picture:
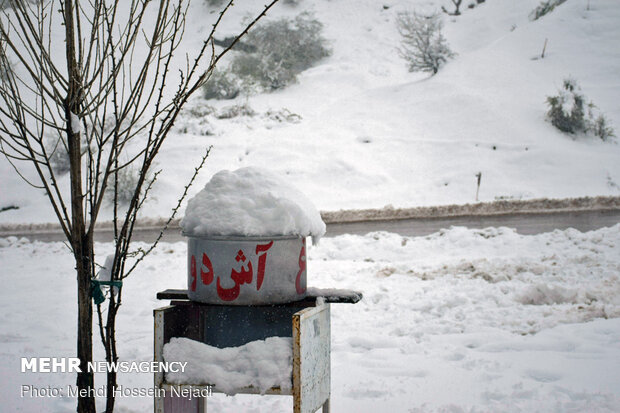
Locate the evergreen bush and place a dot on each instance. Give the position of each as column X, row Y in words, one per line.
column 569, row 112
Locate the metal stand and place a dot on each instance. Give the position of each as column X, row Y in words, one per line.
column 306, row 321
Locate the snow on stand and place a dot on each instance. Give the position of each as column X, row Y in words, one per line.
column 335, row 295
column 262, row 364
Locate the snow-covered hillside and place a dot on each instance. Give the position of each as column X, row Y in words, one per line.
column 373, row 134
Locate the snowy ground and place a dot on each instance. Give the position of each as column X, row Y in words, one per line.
column 372, row 134
column 458, row 321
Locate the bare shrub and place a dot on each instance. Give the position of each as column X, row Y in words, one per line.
column 602, row 129
column 234, row 111
column 282, row 116
column 423, row 44
column 457, row 5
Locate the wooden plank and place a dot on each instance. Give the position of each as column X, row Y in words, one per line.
column 172, row 294
column 311, row 358
column 179, row 404
column 158, row 352
column 330, row 296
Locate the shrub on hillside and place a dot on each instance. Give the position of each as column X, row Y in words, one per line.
column 423, row 44
column 234, row 111
column 58, row 152
column 58, row 155
column 215, row 3
column 284, row 48
column 601, row 128
column 570, row 113
column 124, row 182
column 272, row 56
column 567, row 109
column 221, row 85
column 544, row 7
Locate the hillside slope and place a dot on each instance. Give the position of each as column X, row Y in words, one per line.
column 372, row 134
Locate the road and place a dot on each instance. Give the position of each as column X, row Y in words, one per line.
column 527, row 224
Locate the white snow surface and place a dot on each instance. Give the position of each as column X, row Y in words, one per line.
column 372, row 134
column 105, row 272
column 251, row 202
column 261, row 364
column 106, row 269
column 76, row 125
column 461, row 320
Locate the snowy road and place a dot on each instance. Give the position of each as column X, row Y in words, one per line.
column 526, row 224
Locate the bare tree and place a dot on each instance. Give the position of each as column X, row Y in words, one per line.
column 107, row 99
column 422, row 44
column 457, row 5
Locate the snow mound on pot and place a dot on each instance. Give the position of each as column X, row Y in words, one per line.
column 251, row 202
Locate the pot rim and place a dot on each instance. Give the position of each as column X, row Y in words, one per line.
column 241, row 237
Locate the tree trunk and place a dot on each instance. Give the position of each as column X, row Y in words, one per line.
column 85, row 379
column 110, row 349
column 82, row 243
column 111, row 395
